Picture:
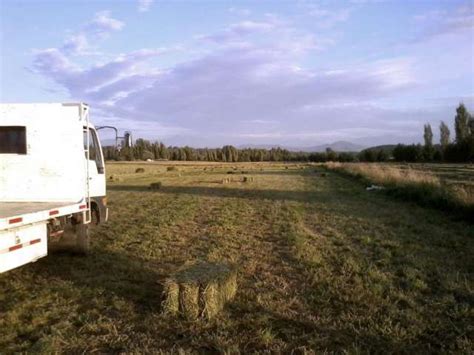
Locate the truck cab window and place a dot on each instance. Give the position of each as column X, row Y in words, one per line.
column 94, row 150
column 12, row 140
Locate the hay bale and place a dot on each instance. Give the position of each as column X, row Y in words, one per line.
column 115, row 178
column 200, row 290
column 139, row 170
column 170, row 302
column 189, row 299
column 155, row 185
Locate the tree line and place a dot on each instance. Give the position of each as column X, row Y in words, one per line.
column 461, row 149
column 144, row 150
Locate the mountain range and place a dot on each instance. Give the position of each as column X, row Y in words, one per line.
column 339, row 146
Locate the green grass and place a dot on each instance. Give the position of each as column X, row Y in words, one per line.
column 323, row 265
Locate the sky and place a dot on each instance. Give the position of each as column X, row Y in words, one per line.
column 208, row 73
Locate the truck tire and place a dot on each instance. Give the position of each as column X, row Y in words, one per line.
column 75, row 240
column 82, row 239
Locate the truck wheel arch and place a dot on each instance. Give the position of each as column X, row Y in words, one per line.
column 99, row 209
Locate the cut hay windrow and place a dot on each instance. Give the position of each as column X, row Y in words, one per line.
column 200, row 290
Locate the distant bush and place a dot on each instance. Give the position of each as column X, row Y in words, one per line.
column 139, row 170
column 147, row 155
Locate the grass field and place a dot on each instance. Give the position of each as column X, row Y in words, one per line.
column 324, row 265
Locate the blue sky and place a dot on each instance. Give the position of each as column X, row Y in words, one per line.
column 208, row 73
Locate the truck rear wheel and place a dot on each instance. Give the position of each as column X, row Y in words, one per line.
column 75, row 239
column 82, row 239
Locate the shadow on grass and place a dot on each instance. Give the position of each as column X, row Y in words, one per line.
column 265, row 172
column 106, row 274
column 282, row 195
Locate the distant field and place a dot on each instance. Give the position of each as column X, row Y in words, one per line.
column 450, row 173
column 324, row 265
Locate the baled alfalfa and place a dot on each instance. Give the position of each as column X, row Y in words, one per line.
column 204, row 289
column 228, row 286
column 170, row 304
column 189, row 299
column 211, row 301
column 115, row 178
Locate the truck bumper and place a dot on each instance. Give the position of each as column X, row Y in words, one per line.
column 22, row 245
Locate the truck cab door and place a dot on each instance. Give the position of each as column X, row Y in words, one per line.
column 95, row 164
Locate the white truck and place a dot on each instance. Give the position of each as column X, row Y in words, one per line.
column 52, row 180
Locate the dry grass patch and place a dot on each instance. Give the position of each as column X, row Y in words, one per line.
column 386, row 174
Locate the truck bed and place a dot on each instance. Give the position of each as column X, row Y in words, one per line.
column 15, row 214
column 12, row 209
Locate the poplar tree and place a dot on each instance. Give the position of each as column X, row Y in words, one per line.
column 444, row 135
column 462, row 123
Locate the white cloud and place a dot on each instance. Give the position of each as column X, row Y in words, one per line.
column 238, row 31
column 103, row 24
column 437, row 23
column 326, row 17
column 260, row 90
column 76, row 44
column 144, row 5
column 240, row 11
column 96, row 29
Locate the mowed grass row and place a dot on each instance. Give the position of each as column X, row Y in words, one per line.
column 323, row 265
column 421, row 184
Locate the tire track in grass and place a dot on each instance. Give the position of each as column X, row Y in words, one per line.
column 270, row 304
